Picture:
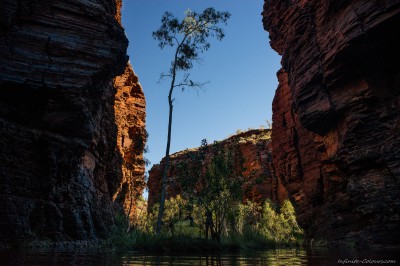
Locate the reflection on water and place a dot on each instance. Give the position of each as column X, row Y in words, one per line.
column 268, row 257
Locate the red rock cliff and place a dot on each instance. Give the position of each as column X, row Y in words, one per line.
column 336, row 120
column 130, row 116
column 60, row 166
column 253, row 164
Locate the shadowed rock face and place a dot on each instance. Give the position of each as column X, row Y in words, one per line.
column 59, row 162
column 252, row 161
column 55, row 44
column 336, row 120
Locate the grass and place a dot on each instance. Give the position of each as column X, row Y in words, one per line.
column 183, row 228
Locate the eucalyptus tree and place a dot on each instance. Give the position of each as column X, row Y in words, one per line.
column 189, row 37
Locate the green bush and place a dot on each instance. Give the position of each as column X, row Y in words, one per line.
column 280, row 227
column 247, row 226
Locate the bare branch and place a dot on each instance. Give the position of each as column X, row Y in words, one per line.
column 163, row 75
column 176, row 39
column 191, row 84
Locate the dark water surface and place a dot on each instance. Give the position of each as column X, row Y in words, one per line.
column 267, row 257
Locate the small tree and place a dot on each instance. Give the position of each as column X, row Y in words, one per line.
column 190, row 39
column 280, row 227
column 222, row 187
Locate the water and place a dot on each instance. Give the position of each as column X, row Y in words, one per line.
column 267, row 257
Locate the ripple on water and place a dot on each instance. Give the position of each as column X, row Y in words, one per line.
column 268, row 257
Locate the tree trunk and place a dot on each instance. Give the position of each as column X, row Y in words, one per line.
column 164, row 178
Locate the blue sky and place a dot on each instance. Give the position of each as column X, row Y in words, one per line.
column 241, row 70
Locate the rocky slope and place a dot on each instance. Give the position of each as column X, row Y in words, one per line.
column 60, row 165
column 252, row 161
column 336, row 119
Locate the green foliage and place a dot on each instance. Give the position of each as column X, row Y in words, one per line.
column 246, row 215
column 174, row 220
column 238, row 131
column 145, row 221
column 194, row 31
column 122, row 238
column 119, row 234
column 214, row 187
column 222, row 187
column 199, row 217
column 173, row 209
column 280, row 227
column 246, row 226
column 258, row 227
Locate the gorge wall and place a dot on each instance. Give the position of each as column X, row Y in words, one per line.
column 72, row 132
column 252, row 162
column 336, row 116
column 130, row 117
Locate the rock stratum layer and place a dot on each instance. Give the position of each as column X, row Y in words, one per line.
column 62, row 119
column 252, row 162
column 336, row 118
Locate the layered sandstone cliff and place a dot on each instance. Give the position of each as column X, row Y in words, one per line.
column 130, row 117
column 252, row 160
column 60, row 165
column 336, row 120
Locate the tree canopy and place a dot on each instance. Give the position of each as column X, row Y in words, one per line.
column 190, row 35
